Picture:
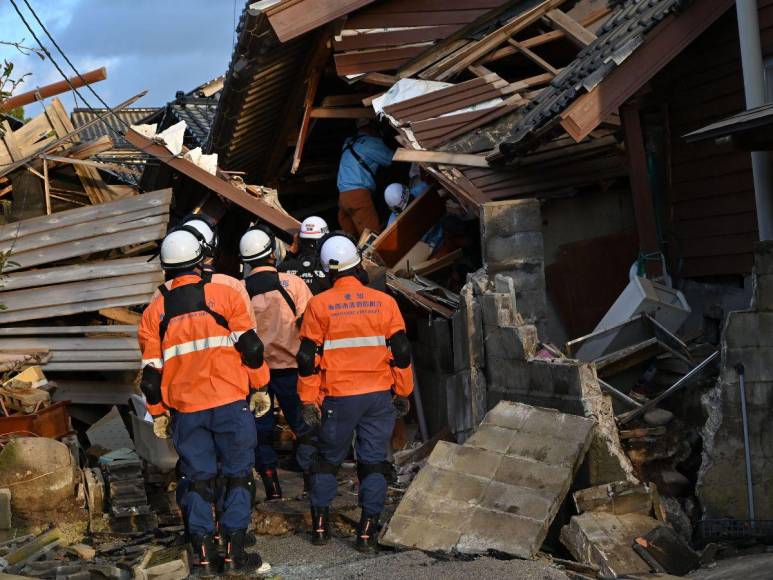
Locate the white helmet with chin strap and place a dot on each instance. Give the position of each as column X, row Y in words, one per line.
column 396, row 196
column 313, row 228
column 339, row 254
column 255, row 245
column 205, row 229
column 181, row 249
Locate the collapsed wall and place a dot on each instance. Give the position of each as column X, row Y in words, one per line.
column 747, row 340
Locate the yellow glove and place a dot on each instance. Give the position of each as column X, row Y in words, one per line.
column 260, row 403
column 161, row 426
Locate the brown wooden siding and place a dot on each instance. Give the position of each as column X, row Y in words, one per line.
column 710, row 212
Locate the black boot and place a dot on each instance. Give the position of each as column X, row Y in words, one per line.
column 270, row 480
column 206, row 561
column 367, row 534
column 320, row 526
column 236, row 559
column 306, row 483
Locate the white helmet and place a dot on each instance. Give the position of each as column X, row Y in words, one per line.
column 204, row 229
column 181, row 249
column 396, row 196
column 313, row 228
column 255, row 245
column 339, row 253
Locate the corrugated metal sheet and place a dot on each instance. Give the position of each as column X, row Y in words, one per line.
column 198, row 115
column 253, row 103
column 111, row 125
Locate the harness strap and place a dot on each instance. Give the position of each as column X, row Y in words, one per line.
column 185, row 300
column 350, row 147
column 264, row 282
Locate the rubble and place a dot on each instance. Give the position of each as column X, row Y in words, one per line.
column 500, row 490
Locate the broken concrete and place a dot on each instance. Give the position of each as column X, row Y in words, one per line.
column 500, row 490
column 747, row 339
column 620, row 497
column 605, row 540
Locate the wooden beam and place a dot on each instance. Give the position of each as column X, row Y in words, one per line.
column 122, row 316
column 291, row 18
column 418, row 156
column 44, row 92
column 308, row 104
column 644, row 206
column 55, row 330
column 576, row 32
column 46, row 187
column 379, row 79
column 399, row 237
column 532, row 56
column 660, row 46
column 342, row 113
column 283, row 224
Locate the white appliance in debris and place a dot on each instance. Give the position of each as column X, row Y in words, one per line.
column 666, row 305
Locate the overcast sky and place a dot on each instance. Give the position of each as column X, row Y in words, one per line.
column 159, row 45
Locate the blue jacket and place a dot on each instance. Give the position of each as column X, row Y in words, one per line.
column 373, row 151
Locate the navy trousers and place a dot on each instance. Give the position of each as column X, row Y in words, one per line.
column 372, row 418
column 283, row 391
column 211, row 442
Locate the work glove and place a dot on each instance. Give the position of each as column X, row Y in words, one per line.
column 260, row 403
column 402, row 406
column 162, row 426
column 312, row 416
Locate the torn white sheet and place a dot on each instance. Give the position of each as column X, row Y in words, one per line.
column 405, row 89
column 207, row 162
column 147, row 131
column 173, row 137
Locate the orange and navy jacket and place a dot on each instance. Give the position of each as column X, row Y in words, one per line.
column 276, row 323
column 226, row 280
column 200, row 366
column 352, row 324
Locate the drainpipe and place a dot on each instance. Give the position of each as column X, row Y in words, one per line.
column 754, row 89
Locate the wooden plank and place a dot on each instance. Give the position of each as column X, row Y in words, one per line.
column 87, row 356
column 67, row 309
column 46, row 187
column 350, row 63
column 86, row 246
column 283, row 223
column 398, row 238
column 45, row 330
column 660, row 46
column 74, row 292
column 581, row 36
column 530, row 82
column 342, row 113
column 379, row 79
column 532, row 56
column 430, row 98
column 308, row 103
column 416, row 156
column 92, row 366
column 393, row 38
column 122, row 315
column 476, row 50
column 70, row 343
column 291, row 19
column 79, row 272
column 93, row 392
column 644, row 206
column 428, row 18
column 157, row 199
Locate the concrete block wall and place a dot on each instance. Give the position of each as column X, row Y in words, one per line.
column 747, row 339
column 512, row 244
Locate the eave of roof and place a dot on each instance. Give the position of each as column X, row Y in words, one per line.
column 742, row 122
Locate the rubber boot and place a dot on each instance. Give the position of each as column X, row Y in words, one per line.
column 320, row 526
column 367, row 534
column 206, row 561
column 237, row 559
column 270, row 480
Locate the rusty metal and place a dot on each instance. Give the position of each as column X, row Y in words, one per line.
column 52, row 422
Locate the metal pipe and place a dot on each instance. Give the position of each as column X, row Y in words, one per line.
column 620, row 395
column 746, row 451
column 754, row 90
column 419, row 407
column 92, row 76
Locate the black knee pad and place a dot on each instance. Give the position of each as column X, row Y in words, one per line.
column 243, row 481
column 385, row 468
column 321, row 466
column 310, row 438
column 205, row 488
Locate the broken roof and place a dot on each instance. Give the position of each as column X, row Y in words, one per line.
column 113, row 126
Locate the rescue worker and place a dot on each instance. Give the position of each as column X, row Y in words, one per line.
column 201, row 359
column 305, row 263
column 361, row 159
column 278, row 301
column 355, row 374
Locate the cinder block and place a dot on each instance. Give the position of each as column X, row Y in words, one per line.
column 465, row 460
column 523, row 246
column 503, row 218
column 451, row 485
column 520, row 501
column 762, row 292
column 534, row 475
column 495, row 530
column 748, row 329
column 516, row 342
column 491, row 438
column 5, row 509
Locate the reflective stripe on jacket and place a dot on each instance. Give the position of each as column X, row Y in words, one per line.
column 352, row 324
column 200, row 366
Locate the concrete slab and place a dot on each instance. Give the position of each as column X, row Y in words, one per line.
column 500, row 490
